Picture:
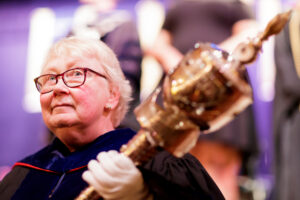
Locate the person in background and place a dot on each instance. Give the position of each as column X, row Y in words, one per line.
column 225, row 153
column 286, row 110
column 84, row 96
column 102, row 20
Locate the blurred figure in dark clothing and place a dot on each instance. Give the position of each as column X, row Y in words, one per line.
column 287, row 110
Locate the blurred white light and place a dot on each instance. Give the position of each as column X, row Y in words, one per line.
column 266, row 65
column 150, row 17
column 41, row 36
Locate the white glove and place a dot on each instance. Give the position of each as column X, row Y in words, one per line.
column 114, row 176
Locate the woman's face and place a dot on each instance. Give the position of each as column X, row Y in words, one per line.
column 82, row 107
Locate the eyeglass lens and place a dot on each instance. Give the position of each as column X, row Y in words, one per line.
column 71, row 78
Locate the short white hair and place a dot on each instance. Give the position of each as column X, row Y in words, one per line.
column 98, row 49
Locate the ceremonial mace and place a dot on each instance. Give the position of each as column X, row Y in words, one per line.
column 205, row 91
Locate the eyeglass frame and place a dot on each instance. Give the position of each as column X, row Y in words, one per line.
column 63, row 78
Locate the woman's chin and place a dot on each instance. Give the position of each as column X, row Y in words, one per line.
column 64, row 120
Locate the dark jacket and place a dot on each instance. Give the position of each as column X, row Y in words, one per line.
column 55, row 173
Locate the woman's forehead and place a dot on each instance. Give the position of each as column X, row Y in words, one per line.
column 59, row 63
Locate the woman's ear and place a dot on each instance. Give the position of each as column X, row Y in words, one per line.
column 113, row 99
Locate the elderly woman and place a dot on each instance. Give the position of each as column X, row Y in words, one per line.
column 84, row 96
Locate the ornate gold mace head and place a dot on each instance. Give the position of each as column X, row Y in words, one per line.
column 209, row 86
column 205, row 91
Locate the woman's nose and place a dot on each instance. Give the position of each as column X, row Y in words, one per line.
column 60, row 86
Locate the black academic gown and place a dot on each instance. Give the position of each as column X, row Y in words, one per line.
column 286, row 120
column 55, row 173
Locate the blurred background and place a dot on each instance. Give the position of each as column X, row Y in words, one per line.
column 29, row 27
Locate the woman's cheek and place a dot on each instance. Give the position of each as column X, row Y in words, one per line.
column 44, row 101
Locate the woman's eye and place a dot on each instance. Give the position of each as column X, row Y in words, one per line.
column 74, row 73
column 52, row 78
column 48, row 80
column 77, row 73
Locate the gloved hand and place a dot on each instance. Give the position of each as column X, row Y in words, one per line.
column 114, row 176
